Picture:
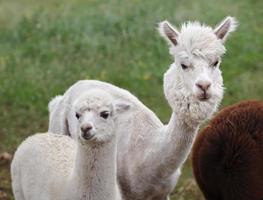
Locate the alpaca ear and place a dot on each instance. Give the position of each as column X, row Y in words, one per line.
column 121, row 106
column 169, row 33
column 228, row 25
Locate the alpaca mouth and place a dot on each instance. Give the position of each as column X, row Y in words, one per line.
column 87, row 136
column 204, row 96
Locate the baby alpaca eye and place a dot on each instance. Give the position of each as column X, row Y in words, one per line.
column 104, row 114
column 184, row 66
column 215, row 63
column 77, row 115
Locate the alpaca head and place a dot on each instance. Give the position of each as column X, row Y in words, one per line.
column 96, row 113
column 197, row 50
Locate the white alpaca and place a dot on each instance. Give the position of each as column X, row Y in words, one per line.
column 55, row 167
column 151, row 154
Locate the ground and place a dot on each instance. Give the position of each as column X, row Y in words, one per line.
column 46, row 46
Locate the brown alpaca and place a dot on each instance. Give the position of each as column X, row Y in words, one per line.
column 228, row 154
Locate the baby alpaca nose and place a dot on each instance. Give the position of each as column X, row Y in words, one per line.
column 86, row 128
column 203, row 85
column 86, row 133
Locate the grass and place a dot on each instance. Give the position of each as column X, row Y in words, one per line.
column 45, row 46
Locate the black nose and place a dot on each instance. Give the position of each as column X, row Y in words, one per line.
column 86, row 129
column 86, row 132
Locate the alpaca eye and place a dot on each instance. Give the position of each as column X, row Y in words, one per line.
column 184, row 66
column 104, row 114
column 77, row 115
column 215, row 63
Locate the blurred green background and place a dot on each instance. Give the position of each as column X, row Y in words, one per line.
column 46, row 46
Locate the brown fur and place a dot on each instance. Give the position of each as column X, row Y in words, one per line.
column 228, row 154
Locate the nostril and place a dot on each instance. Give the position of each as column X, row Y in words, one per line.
column 199, row 85
column 206, row 86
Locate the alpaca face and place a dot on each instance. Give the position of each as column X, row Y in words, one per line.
column 197, row 49
column 197, row 74
column 96, row 113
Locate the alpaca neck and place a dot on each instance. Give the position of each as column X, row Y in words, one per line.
column 180, row 138
column 174, row 146
column 94, row 173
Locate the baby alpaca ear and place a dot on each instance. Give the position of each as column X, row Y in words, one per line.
column 228, row 25
column 169, row 33
column 121, row 106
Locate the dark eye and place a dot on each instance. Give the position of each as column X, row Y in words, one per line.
column 77, row 115
column 184, row 66
column 215, row 63
column 104, row 114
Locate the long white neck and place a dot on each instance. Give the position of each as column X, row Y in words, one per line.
column 94, row 172
column 171, row 150
column 179, row 140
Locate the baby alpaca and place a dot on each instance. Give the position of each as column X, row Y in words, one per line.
column 228, row 154
column 55, row 167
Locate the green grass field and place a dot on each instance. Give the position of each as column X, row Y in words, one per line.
column 46, row 46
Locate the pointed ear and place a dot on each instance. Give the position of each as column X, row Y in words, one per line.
column 228, row 25
column 121, row 106
column 169, row 33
